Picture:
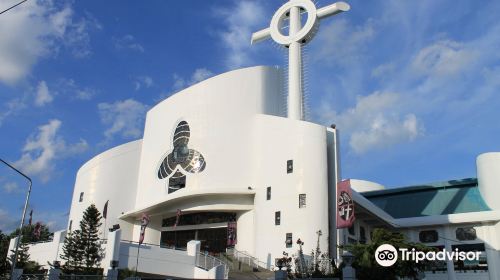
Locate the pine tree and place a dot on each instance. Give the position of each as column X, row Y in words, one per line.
column 90, row 244
column 4, row 248
column 22, row 254
column 72, row 253
column 82, row 248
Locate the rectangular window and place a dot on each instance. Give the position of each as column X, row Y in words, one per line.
column 81, row 197
column 428, row 236
column 471, row 265
column 289, row 166
column 362, row 235
column 277, row 218
column 70, row 225
column 302, row 200
column 268, row 194
column 351, row 230
column 289, row 240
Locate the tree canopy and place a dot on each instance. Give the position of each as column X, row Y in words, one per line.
column 82, row 248
column 367, row 267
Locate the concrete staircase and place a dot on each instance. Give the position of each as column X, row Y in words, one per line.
column 244, row 266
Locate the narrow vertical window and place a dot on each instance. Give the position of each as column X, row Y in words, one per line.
column 277, row 218
column 81, row 197
column 362, row 235
column 302, row 200
column 268, row 193
column 70, row 225
column 289, row 166
column 351, row 230
column 289, row 240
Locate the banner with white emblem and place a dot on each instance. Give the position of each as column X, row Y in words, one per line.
column 345, row 205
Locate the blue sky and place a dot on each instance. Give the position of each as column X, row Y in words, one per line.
column 413, row 86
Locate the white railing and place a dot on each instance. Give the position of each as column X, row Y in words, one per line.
column 208, row 262
column 251, row 261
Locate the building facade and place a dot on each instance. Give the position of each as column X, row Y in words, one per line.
column 220, row 163
column 223, row 153
column 220, row 151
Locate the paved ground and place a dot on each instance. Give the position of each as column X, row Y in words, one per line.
column 251, row 275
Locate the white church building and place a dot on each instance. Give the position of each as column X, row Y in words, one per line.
column 235, row 150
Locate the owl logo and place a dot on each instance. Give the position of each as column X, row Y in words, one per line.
column 181, row 158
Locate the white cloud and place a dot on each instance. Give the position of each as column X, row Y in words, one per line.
column 124, row 118
column 53, row 219
column 383, row 70
column 128, row 42
column 374, row 122
column 11, row 107
column 10, row 187
column 443, row 58
column 43, row 148
column 77, row 37
column 200, row 74
column 85, row 94
column 384, row 132
column 70, row 88
column 242, row 20
column 143, row 81
column 340, row 42
column 33, row 30
column 43, row 95
column 7, row 222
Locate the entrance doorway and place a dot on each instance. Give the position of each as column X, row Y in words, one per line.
column 213, row 240
column 208, row 227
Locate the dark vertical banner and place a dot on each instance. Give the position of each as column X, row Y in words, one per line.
column 105, row 210
column 231, row 234
column 177, row 217
column 144, row 225
column 38, row 230
column 345, row 205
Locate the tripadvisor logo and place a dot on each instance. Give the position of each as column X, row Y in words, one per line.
column 387, row 255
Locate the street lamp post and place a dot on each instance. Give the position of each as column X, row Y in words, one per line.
column 22, row 219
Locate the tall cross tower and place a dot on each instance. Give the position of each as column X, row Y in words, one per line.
column 297, row 36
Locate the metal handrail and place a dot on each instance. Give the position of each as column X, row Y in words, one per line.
column 155, row 245
column 253, row 262
column 208, row 262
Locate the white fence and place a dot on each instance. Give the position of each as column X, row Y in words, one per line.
column 152, row 259
column 249, row 260
column 208, row 262
column 156, row 260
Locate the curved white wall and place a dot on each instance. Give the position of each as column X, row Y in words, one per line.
column 278, row 140
column 111, row 175
column 236, row 123
column 220, row 112
column 488, row 176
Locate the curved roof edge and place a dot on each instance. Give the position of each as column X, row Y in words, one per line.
column 365, row 186
column 110, row 153
column 421, row 187
column 214, row 77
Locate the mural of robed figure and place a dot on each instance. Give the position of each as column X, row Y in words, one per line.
column 180, row 160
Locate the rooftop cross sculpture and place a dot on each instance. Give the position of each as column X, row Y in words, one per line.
column 297, row 36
